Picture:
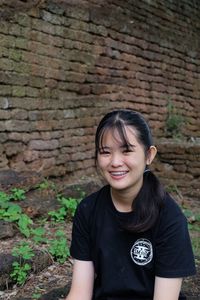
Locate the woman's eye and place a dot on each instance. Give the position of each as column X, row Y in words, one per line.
column 127, row 151
column 104, row 152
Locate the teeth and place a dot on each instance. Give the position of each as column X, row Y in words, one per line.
column 119, row 173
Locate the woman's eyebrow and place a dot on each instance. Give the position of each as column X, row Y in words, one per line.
column 128, row 145
column 104, row 147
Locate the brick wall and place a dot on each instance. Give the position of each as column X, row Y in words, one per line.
column 63, row 64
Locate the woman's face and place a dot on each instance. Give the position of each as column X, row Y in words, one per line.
column 121, row 167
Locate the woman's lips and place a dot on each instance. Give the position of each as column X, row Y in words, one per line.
column 118, row 174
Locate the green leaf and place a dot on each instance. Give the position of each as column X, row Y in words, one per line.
column 38, row 235
column 58, row 215
column 23, row 223
column 4, row 197
column 18, row 194
column 59, row 249
column 23, row 250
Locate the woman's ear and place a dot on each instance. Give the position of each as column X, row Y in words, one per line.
column 151, row 154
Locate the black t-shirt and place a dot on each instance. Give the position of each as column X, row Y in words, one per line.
column 126, row 263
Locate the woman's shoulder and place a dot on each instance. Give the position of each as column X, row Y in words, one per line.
column 171, row 213
column 89, row 203
column 171, row 206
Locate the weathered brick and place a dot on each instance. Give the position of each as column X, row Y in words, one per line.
column 3, row 137
column 99, row 30
column 54, row 8
column 5, row 90
column 25, row 137
column 55, row 171
column 6, row 64
column 51, row 83
column 43, row 145
column 42, row 49
column 19, row 114
column 18, row 126
column 46, row 38
column 62, row 159
column 2, row 126
column 12, row 78
column 32, row 92
column 18, row 165
column 36, row 81
column 4, row 162
column 52, row 18
column 7, row 41
column 4, row 28
column 24, row 20
column 18, row 91
column 78, row 13
column 43, row 26
column 78, row 35
column 51, row 135
column 50, row 153
column 30, row 155
column 13, row 148
column 41, row 164
column 21, row 43
column 14, row 29
column 21, row 67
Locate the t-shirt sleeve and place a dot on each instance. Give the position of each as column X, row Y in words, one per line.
column 80, row 245
column 174, row 255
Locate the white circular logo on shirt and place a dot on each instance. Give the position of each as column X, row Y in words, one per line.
column 142, row 252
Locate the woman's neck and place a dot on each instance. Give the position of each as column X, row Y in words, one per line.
column 122, row 201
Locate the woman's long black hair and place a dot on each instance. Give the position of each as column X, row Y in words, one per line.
column 150, row 199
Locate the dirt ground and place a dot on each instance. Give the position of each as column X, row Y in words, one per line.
column 53, row 277
column 53, row 282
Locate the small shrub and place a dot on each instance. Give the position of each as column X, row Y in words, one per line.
column 70, row 204
column 174, row 122
column 38, row 235
column 18, row 194
column 58, row 247
column 21, row 268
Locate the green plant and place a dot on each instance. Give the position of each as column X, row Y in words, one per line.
column 38, row 235
column 58, row 247
column 174, row 121
column 70, row 204
column 36, row 295
column 67, row 209
column 4, row 204
column 24, row 223
column 12, row 212
column 20, row 272
column 46, row 184
column 4, row 198
column 18, row 194
column 23, row 251
column 21, row 268
column 58, row 215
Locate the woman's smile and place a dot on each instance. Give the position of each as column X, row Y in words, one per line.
column 117, row 175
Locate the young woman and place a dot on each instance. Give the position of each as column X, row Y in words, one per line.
column 130, row 239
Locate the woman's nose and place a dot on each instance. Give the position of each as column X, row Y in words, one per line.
column 116, row 160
